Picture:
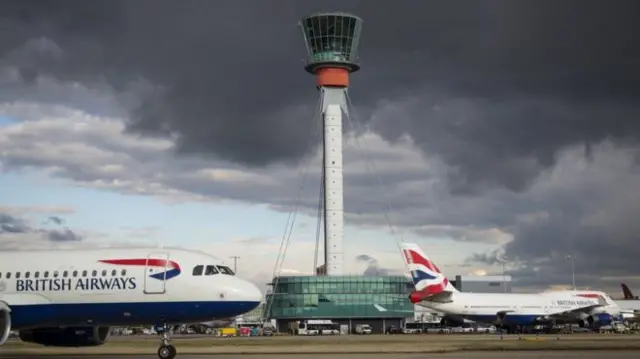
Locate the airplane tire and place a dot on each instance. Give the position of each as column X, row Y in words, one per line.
column 167, row 352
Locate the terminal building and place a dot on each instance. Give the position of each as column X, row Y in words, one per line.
column 380, row 302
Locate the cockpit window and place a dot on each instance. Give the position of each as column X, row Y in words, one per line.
column 225, row 270
column 211, row 270
column 197, row 270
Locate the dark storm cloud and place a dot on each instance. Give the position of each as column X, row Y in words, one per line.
column 12, row 225
column 497, row 87
column 592, row 217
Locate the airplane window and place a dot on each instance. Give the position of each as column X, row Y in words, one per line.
column 0, row 274
column 104, row 272
column 46, row 274
column 65, row 274
column 17, row 275
column 94, row 273
column 26, row 274
column 55, row 274
column 197, row 270
column 75, row 273
column 124, row 272
column 8, row 275
column 225, row 270
column 211, row 270
column 84, row 273
column 113, row 273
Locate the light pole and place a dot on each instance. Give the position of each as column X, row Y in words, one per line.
column 503, row 260
column 572, row 258
column 235, row 263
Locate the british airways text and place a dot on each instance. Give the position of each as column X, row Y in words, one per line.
column 574, row 302
column 80, row 284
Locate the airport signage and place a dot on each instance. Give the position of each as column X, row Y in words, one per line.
column 79, row 284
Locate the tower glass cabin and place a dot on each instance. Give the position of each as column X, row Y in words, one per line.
column 332, row 40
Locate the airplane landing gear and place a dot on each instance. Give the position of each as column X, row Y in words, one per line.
column 166, row 350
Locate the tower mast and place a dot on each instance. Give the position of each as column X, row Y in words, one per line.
column 332, row 46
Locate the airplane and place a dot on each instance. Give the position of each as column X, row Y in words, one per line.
column 433, row 290
column 73, row 297
column 630, row 304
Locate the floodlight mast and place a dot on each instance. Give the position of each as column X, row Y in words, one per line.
column 332, row 45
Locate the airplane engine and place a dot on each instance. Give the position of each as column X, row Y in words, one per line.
column 5, row 322
column 597, row 320
column 67, row 337
column 451, row 321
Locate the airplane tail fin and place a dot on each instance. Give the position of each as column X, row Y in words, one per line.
column 626, row 291
column 427, row 277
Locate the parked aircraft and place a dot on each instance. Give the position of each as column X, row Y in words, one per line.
column 627, row 292
column 507, row 310
column 73, row 297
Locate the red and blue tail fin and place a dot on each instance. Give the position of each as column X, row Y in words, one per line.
column 426, row 276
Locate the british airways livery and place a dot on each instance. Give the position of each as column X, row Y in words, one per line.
column 507, row 310
column 73, row 297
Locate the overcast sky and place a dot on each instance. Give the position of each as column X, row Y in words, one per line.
column 495, row 127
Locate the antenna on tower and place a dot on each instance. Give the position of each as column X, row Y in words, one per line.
column 332, row 47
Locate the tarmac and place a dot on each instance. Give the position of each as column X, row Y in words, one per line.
column 631, row 354
column 352, row 346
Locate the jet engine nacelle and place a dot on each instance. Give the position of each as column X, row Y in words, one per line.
column 451, row 321
column 597, row 320
column 67, row 337
column 5, row 322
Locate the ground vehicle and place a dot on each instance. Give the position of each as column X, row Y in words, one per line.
column 392, row 329
column 315, row 327
column 267, row 331
column 363, row 329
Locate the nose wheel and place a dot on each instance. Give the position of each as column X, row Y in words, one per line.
column 166, row 350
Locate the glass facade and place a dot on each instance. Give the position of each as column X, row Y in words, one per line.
column 319, row 297
column 332, row 37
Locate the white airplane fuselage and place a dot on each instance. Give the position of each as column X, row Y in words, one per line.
column 521, row 309
column 123, row 286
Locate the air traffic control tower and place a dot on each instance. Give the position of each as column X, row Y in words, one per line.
column 332, row 45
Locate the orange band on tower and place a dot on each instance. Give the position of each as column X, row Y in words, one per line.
column 332, row 76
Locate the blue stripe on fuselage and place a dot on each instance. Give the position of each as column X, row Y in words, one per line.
column 140, row 313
